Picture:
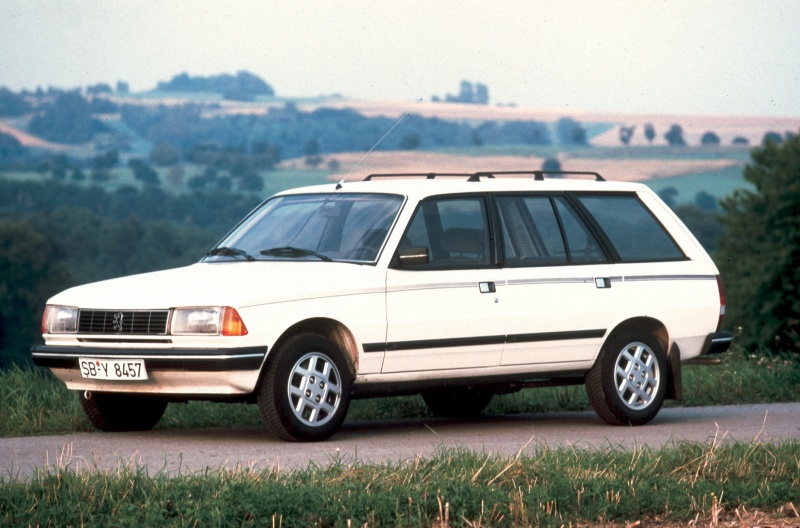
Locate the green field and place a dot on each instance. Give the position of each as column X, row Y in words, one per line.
column 718, row 184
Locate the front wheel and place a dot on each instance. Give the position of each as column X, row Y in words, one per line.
column 627, row 384
column 305, row 393
column 109, row 411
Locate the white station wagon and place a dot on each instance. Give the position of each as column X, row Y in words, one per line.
column 454, row 286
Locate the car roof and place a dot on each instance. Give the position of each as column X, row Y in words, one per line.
column 420, row 185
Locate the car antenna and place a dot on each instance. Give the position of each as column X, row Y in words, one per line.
column 375, row 145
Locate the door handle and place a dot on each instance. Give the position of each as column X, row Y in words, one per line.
column 487, row 287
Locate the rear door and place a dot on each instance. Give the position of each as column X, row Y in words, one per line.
column 562, row 283
column 445, row 314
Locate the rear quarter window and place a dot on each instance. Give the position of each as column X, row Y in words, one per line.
column 633, row 230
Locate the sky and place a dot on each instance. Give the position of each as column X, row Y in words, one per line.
column 732, row 57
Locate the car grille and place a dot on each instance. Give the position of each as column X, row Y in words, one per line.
column 136, row 322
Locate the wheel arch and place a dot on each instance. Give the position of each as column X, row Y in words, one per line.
column 659, row 331
column 650, row 325
column 330, row 329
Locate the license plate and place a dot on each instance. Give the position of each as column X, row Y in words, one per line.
column 113, row 369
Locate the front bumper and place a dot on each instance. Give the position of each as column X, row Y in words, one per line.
column 184, row 371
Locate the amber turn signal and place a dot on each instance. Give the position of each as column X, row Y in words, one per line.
column 232, row 324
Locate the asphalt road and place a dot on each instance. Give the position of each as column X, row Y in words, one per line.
column 194, row 450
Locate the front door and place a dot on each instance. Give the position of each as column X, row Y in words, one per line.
column 445, row 314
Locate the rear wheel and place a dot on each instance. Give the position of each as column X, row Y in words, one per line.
column 109, row 411
column 627, row 384
column 305, row 393
column 458, row 402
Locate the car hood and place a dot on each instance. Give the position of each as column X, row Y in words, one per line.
column 237, row 284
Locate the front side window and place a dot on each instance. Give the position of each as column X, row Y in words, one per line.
column 337, row 227
column 635, row 233
column 454, row 230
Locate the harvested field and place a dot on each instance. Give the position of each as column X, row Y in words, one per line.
column 752, row 128
column 419, row 161
column 29, row 140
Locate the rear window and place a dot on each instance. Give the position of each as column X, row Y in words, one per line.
column 633, row 230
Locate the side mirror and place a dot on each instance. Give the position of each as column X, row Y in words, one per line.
column 413, row 256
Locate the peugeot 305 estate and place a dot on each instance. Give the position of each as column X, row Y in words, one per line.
column 453, row 286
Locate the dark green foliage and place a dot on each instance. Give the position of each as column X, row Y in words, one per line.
column 551, row 165
column 215, row 212
column 31, row 270
column 99, row 105
column 144, row 172
column 760, row 248
column 67, row 120
column 11, row 104
column 510, row 132
column 649, row 132
column 287, row 131
column 244, row 86
column 410, row 141
column 108, row 160
column 626, row 133
column 10, row 149
column 706, row 201
column 709, row 138
column 674, row 136
column 668, row 194
column 570, row 132
column 468, row 93
column 703, row 223
column 98, row 88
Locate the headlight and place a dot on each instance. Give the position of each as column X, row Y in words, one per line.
column 207, row 320
column 60, row 319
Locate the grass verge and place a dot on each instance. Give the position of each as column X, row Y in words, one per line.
column 451, row 488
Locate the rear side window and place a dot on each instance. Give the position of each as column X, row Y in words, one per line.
column 583, row 246
column 633, row 230
column 531, row 233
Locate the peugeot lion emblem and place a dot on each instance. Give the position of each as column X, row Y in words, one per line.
column 118, row 321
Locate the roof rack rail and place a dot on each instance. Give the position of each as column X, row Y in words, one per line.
column 476, row 176
column 432, row 175
column 539, row 174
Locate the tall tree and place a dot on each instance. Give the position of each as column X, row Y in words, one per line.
column 674, row 136
column 760, row 248
column 626, row 133
column 649, row 132
column 709, row 138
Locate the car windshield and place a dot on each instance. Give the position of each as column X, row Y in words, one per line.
column 325, row 227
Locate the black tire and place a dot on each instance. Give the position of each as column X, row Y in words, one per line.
column 627, row 384
column 110, row 411
column 457, row 402
column 305, row 393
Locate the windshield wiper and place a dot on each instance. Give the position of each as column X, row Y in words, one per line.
column 291, row 252
column 229, row 252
